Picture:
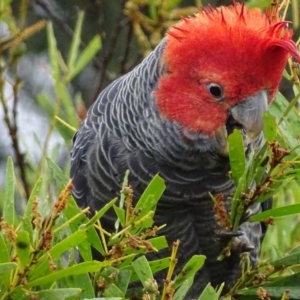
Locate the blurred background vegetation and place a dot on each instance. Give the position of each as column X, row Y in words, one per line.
column 55, row 58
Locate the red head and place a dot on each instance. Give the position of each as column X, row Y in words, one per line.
column 219, row 58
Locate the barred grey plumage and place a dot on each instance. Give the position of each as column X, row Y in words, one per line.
column 124, row 130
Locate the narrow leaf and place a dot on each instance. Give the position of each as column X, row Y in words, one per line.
column 142, row 269
column 150, row 196
column 4, row 259
column 208, row 293
column 276, row 212
column 9, row 203
column 27, row 217
column 236, row 155
column 288, row 260
column 82, row 268
column 92, row 237
column 57, row 250
column 120, row 212
column 58, row 294
column 87, row 55
column 183, row 289
column 84, row 282
column 57, row 174
column 190, row 269
column 270, row 127
column 23, row 247
column 112, row 291
column 155, row 265
column 75, row 41
column 124, row 278
column 68, row 107
column 7, row 267
column 53, row 51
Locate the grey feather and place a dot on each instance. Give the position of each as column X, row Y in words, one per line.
column 124, row 130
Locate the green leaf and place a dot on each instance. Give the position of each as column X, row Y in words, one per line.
column 4, row 249
column 18, row 293
column 67, row 243
column 93, row 239
column 28, row 214
column 53, row 53
column 276, row 212
column 236, row 155
column 150, row 196
column 58, row 294
column 42, row 266
column 120, row 212
column 4, row 259
column 9, row 203
column 73, row 53
column 122, row 201
column 142, row 269
column 153, row 13
column 87, row 55
column 84, row 282
column 171, row 4
column 101, row 212
column 82, row 268
column 190, row 269
column 155, row 266
column 288, row 119
column 113, row 291
column 7, row 267
column 47, row 105
column 183, row 289
column 278, row 287
column 219, row 292
column 288, row 260
column 159, row 242
column 68, row 106
column 124, row 278
column 273, row 189
column 57, row 174
column 270, row 127
column 23, row 248
column 263, row 4
column 208, row 293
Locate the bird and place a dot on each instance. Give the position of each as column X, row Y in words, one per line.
column 213, row 72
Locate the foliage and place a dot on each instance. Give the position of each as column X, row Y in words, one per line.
column 40, row 248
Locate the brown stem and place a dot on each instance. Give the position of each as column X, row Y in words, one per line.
column 13, row 131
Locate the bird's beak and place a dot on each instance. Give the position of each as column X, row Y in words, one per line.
column 249, row 114
column 246, row 116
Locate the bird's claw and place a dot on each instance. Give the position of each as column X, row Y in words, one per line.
column 224, row 233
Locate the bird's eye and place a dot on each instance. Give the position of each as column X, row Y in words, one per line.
column 215, row 90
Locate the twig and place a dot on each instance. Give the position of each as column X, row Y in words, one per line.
column 11, row 124
column 111, row 44
column 124, row 57
column 13, row 131
column 167, row 291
